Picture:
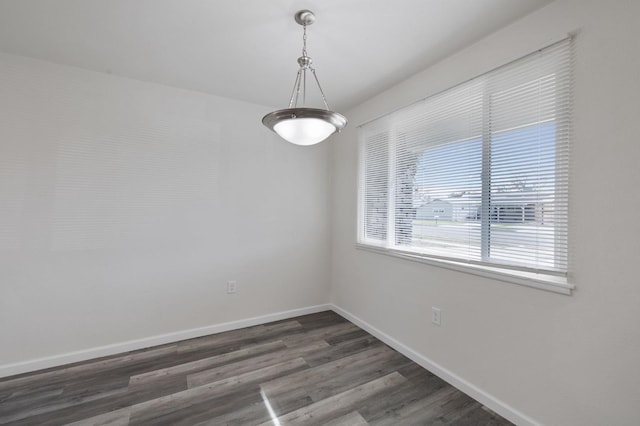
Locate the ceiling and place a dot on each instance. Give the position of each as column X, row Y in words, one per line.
column 247, row 49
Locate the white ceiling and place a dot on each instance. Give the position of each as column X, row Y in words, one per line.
column 247, row 49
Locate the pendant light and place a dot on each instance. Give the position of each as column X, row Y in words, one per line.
column 301, row 125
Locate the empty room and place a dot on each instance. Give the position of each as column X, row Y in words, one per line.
column 291, row 212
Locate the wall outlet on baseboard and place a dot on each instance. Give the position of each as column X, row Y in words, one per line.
column 436, row 316
column 231, row 287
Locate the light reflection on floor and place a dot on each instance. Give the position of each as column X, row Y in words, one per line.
column 272, row 413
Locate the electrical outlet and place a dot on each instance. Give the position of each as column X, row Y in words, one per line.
column 436, row 316
column 231, row 287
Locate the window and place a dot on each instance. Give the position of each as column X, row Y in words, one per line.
column 476, row 175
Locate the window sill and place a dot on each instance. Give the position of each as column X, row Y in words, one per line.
column 551, row 283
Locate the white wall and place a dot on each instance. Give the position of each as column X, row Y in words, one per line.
column 560, row 360
column 126, row 206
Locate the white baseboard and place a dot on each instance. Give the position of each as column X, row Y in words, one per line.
column 473, row 391
column 132, row 345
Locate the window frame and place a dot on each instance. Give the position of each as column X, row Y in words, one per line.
column 547, row 280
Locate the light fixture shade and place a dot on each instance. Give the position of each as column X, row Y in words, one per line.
column 304, row 126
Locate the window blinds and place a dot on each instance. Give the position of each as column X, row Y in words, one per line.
column 477, row 173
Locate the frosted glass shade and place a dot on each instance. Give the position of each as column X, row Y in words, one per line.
column 304, row 126
column 304, row 131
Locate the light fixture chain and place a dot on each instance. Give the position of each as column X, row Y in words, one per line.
column 304, row 40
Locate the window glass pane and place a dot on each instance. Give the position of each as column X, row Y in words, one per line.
column 376, row 187
column 447, row 197
column 522, row 196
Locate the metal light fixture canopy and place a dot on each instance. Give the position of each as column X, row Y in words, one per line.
column 302, row 125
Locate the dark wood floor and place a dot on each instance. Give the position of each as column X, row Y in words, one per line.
column 314, row 369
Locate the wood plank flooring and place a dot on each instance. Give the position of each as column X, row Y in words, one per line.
column 316, row 369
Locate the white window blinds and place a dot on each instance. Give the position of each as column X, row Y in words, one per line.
column 477, row 173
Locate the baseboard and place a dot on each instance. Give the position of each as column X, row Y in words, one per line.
column 132, row 345
column 473, row 391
